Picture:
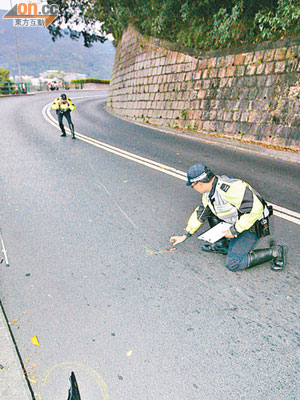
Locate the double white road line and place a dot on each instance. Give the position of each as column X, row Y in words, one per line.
column 280, row 212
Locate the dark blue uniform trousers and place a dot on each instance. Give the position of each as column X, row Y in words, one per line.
column 239, row 247
column 66, row 114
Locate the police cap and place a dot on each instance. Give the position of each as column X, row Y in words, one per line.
column 199, row 173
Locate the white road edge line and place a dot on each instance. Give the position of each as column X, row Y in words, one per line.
column 279, row 211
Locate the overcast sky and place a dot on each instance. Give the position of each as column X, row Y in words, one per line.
column 5, row 4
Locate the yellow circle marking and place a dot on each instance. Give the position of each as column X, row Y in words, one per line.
column 100, row 381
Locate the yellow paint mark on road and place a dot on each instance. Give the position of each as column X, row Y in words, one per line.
column 35, row 341
column 13, row 322
column 153, row 252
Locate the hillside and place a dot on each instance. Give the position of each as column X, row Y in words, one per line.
column 38, row 53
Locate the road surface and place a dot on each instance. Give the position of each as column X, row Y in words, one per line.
column 86, row 232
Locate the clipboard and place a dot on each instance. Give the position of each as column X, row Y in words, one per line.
column 215, row 233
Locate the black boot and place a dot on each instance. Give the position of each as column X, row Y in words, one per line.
column 63, row 134
column 71, row 126
column 276, row 254
column 280, row 261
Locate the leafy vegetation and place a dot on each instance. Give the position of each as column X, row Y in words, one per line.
column 201, row 24
column 90, row 80
column 6, row 85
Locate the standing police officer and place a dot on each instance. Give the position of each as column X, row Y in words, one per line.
column 236, row 202
column 63, row 106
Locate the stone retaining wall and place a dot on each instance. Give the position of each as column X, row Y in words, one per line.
column 245, row 93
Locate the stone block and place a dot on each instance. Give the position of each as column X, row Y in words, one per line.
column 188, row 76
column 201, row 94
column 212, row 62
column 235, row 93
column 205, row 74
column 240, row 70
column 228, row 127
column 198, row 114
column 210, row 94
column 280, row 54
column 251, row 68
column 202, row 64
column 248, row 58
column 215, row 83
column 261, row 81
column 205, row 105
column 227, row 93
column 214, row 103
column 230, row 71
column 293, row 52
column 178, row 86
column 221, row 62
column 195, row 104
column 220, row 114
column 260, row 69
column 269, row 68
column 254, row 116
column 206, row 126
column 244, row 116
column 236, row 105
column 206, row 84
column 251, row 81
column 222, row 72
column 271, row 80
column 239, row 59
column 258, row 56
column 253, row 93
column 230, row 60
column 223, row 82
column 180, row 58
column 227, row 116
column 236, row 116
column 194, row 64
column 279, row 67
column 244, row 93
column 266, row 117
column 269, row 55
column 205, row 115
column 213, row 115
column 291, row 65
column 213, row 73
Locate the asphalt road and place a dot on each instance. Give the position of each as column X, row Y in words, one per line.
column 86, row 233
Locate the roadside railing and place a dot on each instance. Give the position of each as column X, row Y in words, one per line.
column 9, row 88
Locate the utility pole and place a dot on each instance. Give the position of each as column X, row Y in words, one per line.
column 17, row 51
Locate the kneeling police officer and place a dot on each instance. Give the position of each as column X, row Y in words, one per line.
column 236, row 202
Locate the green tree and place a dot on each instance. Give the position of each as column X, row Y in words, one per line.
column 6, row 85
column 202, row 24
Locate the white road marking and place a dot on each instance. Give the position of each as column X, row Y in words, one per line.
column 279, row 211
column 4, row 249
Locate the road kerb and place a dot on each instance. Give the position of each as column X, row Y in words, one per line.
column 13, row 384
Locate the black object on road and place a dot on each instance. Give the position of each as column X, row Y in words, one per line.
column 74, row 390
